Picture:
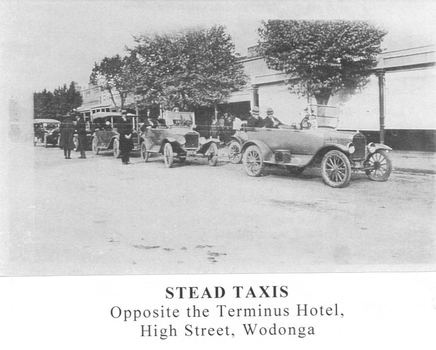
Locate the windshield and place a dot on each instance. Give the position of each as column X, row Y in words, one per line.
column 326, row 116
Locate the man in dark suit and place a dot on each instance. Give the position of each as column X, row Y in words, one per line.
column 255, row 120
column 125, row 129
column 270, row 121
column 81, row 135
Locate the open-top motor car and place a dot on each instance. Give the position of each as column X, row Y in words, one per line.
column 316, row 141
column 173, row 135
column 46, row 131
column 106, row 137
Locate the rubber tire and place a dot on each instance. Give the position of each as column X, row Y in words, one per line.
column 382, row 157
column 334, row 159
column 212, row 156
column 116, row 148
column 235, row 157
column 253, row 156
column 94, row 146
column 168, row 155
column 144, row 154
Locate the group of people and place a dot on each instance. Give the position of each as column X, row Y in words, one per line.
column 270, row 121
column 68, row 128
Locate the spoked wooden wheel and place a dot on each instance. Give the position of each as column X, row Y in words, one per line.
column 94, row 145
column 116, row 147
column 336, row 169
column 253, row 161
column 379, row 166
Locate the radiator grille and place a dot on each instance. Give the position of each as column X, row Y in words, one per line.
column 359, row 142
column 191, row 141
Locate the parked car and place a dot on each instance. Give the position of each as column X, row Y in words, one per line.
column 316, row 142
column 46, row 131
column 106, row 137
column 174, row 137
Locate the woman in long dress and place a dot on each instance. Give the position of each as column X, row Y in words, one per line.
column 66, row 130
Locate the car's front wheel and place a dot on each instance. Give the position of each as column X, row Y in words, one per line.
column 336, row 169
column 212, row 157
column 379, row 166
column 253, row 161
column 94, row 144
column 116, row 148
column 235, row 155
column 168, row 155
column 144, row 154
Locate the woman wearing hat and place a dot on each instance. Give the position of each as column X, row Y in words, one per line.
column 66, row 130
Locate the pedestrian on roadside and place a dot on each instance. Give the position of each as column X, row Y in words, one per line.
column 81, row 135
column 66, row 130
column 125, row 129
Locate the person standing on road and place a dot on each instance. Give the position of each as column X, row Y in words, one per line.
column 125, row 129
column 81, row 135
column 66, row 130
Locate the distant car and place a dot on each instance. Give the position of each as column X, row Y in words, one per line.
column 174, row 137
column 316, row 141
column 106, row 137
column 46, row 131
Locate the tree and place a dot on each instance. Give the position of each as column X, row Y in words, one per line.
column 113, row 75
column 57, row 103
column 321, row 57
column 189, row 69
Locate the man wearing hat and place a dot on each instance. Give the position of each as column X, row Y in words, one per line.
column 66, row 130
column 270, row 121
column 255, row 120
column 125, row 129
column 81, row 135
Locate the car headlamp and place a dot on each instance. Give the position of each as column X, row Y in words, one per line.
column 371, row 147
column 351, row 148
column 181, row 140
column 202, row 140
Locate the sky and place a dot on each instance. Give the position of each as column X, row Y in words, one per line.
column 45, row 44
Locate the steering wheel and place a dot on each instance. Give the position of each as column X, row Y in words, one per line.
column 305, row 123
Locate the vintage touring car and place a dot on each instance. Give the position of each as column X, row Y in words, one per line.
column 174, row 136
column 315, row 141
column 106, row 136
column 46, row 131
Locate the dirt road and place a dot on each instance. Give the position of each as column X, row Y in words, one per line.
column 96, row 216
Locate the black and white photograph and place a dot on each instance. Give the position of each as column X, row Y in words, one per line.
column 212, row 141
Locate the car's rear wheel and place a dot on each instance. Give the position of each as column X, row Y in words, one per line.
column 235, row 155
column 94, row 144
column 212, row 157
column 294, row 170
column 380, row 166
column 253, row 161
column 168, row 155
column 336, row 169
column 46, row 142
column 144, row 154
column 116, row 148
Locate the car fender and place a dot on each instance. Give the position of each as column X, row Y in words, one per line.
column 205, row 146
column 111, row 144
column 323, row 151
column 267, row 153
column 235, row 138
column 381, row 146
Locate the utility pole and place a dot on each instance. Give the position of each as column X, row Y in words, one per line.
column 381, row 85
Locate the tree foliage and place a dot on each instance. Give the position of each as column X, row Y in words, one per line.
column 321, row 57
column 113, row 75
column 55, row 104
column 193, row 68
